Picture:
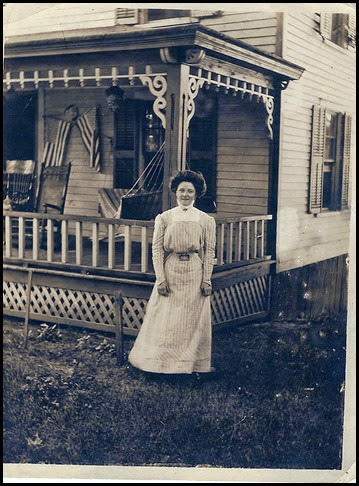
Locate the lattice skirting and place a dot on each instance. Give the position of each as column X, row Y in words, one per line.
column 92, row 309
column 241, row 300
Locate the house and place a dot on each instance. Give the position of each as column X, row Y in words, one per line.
column 260, row 102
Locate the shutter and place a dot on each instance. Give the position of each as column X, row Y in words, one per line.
column 126, row 16
column 326, row 20
column 352, row 31
column 317, row 156
column 346, row 161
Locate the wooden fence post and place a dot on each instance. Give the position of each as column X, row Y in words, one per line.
column 119, row 327
column 27, row 308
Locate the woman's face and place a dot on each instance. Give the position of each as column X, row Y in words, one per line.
column 186, row 193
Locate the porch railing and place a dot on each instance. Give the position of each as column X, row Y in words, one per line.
column 91, row 242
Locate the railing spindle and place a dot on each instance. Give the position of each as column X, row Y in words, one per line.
column 35, row 239
column 95, row 244
column 8, row 236
column 21, row 236
column 79, row 243
column 128, row 248
column 247, row 245
column 111, row 246
column 64, row 241
column 144, row 249
column 229, row 251
column 238, row 253
column 261, row 243
column 220, row 244
column 50, row 240
column 254, row 239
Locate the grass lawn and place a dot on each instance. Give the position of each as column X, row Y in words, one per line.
column 276, row 401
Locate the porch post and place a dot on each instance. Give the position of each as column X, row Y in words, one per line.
column 176, row 136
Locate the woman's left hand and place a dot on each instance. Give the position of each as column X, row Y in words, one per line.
column 206, row 289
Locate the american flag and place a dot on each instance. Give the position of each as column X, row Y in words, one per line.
column 54, row 151
column 87, row 124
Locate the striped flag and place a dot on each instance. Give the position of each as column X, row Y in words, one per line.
column 87, row 124
column 54, row 152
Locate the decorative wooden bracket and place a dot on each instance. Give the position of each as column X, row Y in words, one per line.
column 194, row 86
column 169, row 55
column 176, row 55
column 269, row 105
column 194, row 56
column 157, row 87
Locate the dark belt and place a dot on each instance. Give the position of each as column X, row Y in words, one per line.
column 184, row 257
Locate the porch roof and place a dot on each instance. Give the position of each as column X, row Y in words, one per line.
column 121, row 38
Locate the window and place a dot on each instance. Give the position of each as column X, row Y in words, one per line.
column 339, row 28
column 330, row 146
column 329, row 179
column 138, row 137
column 164, row 13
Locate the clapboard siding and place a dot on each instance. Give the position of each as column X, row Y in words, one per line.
column 66, row 16
column 328, row 80
column 256, row 28
column 242, row 158
column 84, row 183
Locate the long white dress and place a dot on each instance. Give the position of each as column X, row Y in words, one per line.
column 176, row 333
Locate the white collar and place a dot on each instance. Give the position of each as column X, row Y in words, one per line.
column 184, row 208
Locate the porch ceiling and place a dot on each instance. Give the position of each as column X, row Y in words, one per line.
column 135, row 38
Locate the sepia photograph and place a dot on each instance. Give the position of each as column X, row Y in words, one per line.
column 178, row 242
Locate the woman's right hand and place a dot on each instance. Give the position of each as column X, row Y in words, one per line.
column 163, row 289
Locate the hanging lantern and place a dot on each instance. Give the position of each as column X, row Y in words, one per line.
column 114, row 98
column 152, row 131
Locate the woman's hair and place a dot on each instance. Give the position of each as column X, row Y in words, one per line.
column 196, row 178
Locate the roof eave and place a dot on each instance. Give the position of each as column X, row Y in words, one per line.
column 119, row 38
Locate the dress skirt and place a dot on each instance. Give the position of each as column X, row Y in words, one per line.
column 175, row 336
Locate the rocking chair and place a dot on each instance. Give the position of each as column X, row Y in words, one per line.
column 18, row 183
column 51, row 197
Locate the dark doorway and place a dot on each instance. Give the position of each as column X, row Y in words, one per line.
column 19, row 135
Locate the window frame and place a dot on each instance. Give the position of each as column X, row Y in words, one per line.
column 340, row 163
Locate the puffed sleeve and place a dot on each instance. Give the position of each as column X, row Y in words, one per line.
column 209, row 249
column 158, row 249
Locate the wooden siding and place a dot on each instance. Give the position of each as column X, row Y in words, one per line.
column 242, row 158
column 256, row 28
column 82, row 194
column 312, row 290
column 65, row 16
column 328, row 81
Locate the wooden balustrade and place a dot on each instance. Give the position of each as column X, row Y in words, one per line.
column 241, row 239
column 91, row 242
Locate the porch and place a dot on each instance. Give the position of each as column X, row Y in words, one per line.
column 74, row 282
column 209, row 101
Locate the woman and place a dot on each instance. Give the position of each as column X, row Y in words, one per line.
column 175, row 336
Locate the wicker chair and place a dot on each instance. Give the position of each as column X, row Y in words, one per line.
column 18, row 183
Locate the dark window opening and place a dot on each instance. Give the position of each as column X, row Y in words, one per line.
column 164, row 13
column 19, row 121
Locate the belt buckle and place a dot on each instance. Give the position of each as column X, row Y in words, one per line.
column 183, row 257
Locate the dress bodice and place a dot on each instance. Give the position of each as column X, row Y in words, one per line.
column 178, row 231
